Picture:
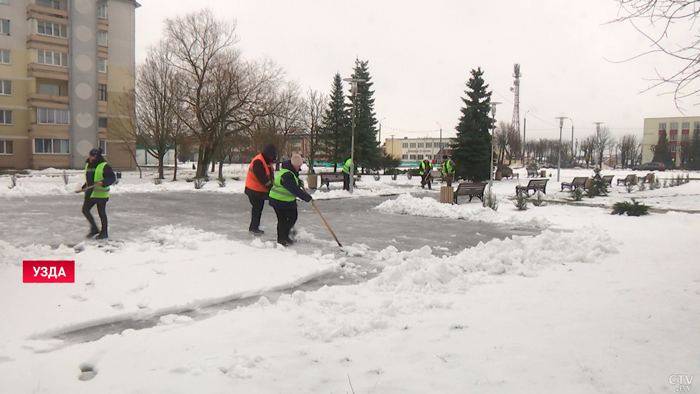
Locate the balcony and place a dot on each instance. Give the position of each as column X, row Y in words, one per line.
column 34, row 11
column 49, row 72
column 47, row 101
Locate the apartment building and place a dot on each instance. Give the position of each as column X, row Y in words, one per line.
column 413, row 150
column 65, row 69
column 677, row 130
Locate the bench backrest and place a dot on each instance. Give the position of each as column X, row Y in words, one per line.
column 630, row 178
column 465, row 186
column 537, row 182
column 608, row 178
column 579, row 180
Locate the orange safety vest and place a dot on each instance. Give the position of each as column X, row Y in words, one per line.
column 251, row 181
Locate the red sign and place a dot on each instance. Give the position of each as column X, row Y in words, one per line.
column 48, row 271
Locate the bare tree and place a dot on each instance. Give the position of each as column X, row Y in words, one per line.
column 124, row 126
column 314, row 107
column 629, row 146
column 588, row 149
column 221, row 93
column 659, row 21
column 156, row 105
column 603, row 139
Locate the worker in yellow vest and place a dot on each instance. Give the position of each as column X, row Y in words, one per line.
column 448, row 170
column 283, row 198
column 99, row 176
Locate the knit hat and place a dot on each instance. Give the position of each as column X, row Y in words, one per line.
column 269, row 152
column 96, row 152
column 297, row 160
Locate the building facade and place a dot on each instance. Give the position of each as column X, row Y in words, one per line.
column 413, row 150
column 65, row 67
column 678, row 131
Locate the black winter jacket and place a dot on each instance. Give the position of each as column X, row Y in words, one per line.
column 288, row 182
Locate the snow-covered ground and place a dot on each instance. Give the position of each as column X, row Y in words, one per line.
column 594, row 303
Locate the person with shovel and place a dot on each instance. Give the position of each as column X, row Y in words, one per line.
column 426, row 177
column 98, row 177
column 283, row 195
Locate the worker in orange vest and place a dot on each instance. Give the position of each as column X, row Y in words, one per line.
column 258, row 183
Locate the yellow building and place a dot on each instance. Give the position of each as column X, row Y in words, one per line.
column 677, row 130
column 64, row 64
column 413, row 150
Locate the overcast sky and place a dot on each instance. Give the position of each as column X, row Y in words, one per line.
column 421, row 53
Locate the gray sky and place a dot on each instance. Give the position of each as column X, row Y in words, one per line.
column 421, row 54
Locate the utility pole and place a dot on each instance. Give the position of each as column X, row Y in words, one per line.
column 493, row 129
column 573, row 155
column 353, row 90
column 522, row 157
column 561, row 125
column 439, row 160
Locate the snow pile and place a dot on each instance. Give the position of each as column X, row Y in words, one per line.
column 406, row 204
column 415, row 281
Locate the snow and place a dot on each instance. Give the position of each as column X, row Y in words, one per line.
column 593, row 303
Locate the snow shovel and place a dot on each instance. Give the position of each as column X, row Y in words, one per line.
column 324, row 220
column 86, row 189
column 326, row 223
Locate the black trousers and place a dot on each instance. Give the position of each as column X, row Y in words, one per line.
column 258, row 204
column 101, row 211
column 346, row 181
column 286, row 218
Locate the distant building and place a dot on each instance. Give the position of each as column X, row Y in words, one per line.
column 63, row 65
column 677, row 130
column 413, row 150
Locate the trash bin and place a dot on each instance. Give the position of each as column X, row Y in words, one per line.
column 543, row 173
column 498, row 176
column 312, row 181
column 447, row 194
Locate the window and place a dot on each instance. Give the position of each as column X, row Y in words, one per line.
column 420, row 157
column 4, row 56
column 428, row 157
column 5, row 116
column 404, row 144
column 102, row 92
column 5, row 88
column 696, row 125
column 662, row 126
column 102, row 10
column 412, row 157
column 52, row 58
column 51, row 116
column 48, row 145
column 673, row 148
column 404, row 157
column 55, row 4
column 412, row 144
column 686, row 125
column 673, row 136
column 102, row 38
column 103, row 145
column 52, row 29
column 685, row 137
column 53, row 90
column 428, row 144
column 4, row 1
column 102, row 122
column 420, row 144
column 102, row 65
column 674, row 126
column 4, row 26
column 6, row 147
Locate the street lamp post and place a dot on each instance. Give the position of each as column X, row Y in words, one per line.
column 522, row 156
column 493, row 129
column 561, row 125
column 573, row 154
column 380, row 130
column 353, row 90
column 439, row 158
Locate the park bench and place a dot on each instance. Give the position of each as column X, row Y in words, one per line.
column 471, row 189
column 579, row 181
column 648, row 178
column 531, row 173
column 608, row 179
column 326, row 179
column 535, row 185
column 630, row 179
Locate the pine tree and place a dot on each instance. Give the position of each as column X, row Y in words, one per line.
column 336, row 125
column 367, row 152
column 662, row 152
column 472, row 150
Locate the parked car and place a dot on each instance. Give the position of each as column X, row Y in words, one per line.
column 653, row 166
